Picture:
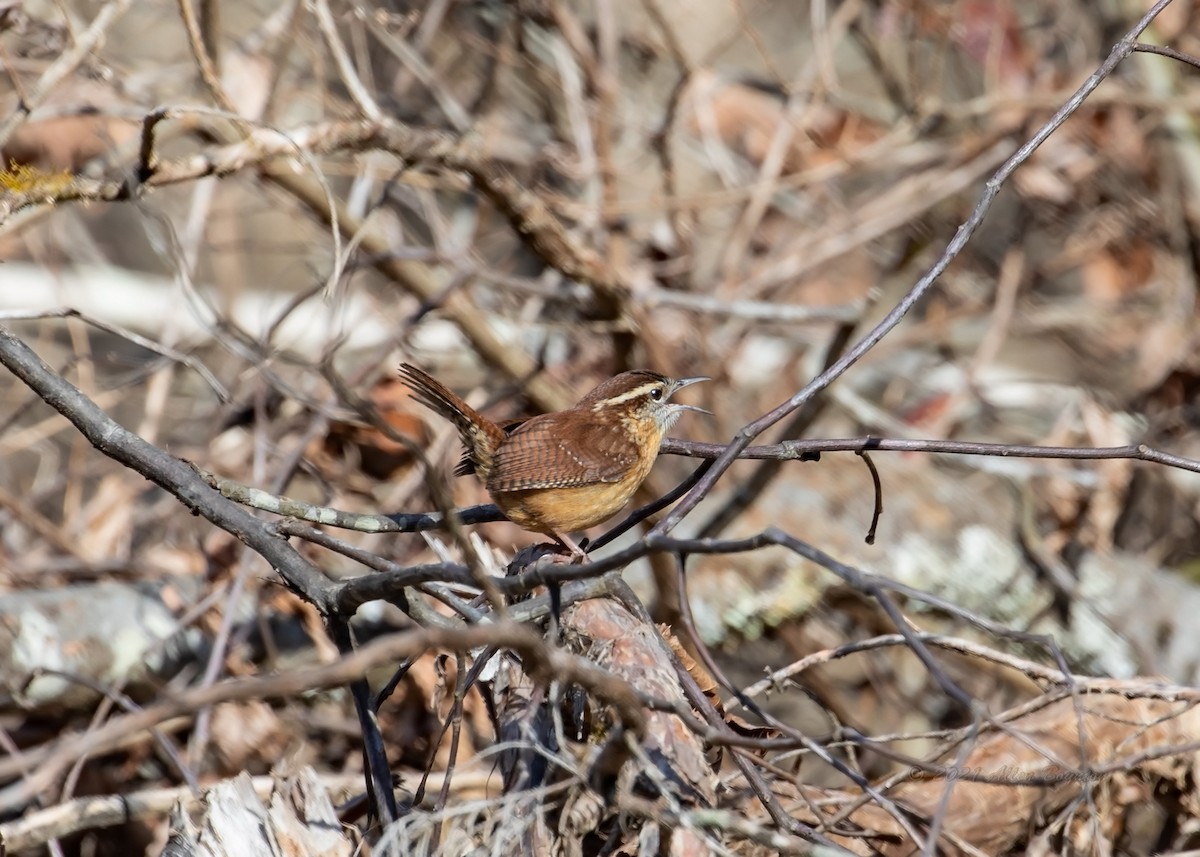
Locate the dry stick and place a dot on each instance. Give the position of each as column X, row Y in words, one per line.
column 64, row 65
column 162, row 468
column 750, row 489
column 1143, row 47
column 391, row 583
column 204, row 55
column 754, row 777
column 752, row 430
column 877, row 484
column 542, row 662
column 374, row 755
column 455, row 720
column 689, row 627
column 788, row 450
column 210, row 30
column 810, row 450
column 128, row 335
column 367, row 105
column 413, row 522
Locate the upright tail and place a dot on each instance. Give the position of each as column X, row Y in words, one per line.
column 479, row 435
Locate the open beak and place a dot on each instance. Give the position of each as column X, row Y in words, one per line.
column 684, row 382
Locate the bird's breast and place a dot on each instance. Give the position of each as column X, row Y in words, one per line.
column 565, row 510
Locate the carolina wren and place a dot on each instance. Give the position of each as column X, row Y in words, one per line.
column 566, row 471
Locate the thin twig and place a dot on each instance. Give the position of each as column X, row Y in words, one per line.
column 204, row 56
column 162, row 468
column 752, row 430
column 115, row 329
column 810, row 450
column 345, row 66
column 790, row 450
column 1161, row 50
column 65, row 64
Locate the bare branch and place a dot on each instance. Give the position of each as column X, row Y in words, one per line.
column 64, row 65
column 810, row 450
column 752, row 430
column 165, row 470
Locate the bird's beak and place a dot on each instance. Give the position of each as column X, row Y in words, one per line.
column 687, row 382
column 684, row 382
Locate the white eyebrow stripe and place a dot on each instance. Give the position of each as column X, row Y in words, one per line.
column 625, row 397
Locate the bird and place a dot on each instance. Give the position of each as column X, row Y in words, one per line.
column 565, row 471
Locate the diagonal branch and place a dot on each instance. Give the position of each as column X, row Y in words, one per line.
column 163, row 469
column 752, row 430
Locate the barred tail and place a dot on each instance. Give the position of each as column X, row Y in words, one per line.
column 478, row 434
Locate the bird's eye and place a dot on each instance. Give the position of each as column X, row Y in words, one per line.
column 656, row 394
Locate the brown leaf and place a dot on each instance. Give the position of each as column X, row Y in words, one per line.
column 249, row 736
column 376, row 454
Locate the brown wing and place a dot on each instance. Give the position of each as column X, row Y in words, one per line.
column 532, row 457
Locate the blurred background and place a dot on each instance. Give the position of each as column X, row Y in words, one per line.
column 758, row 182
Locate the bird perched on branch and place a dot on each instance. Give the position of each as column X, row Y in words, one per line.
column 562, row 472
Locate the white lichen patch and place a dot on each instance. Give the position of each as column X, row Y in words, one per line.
column 754, row 599
column 985, row 574
column 36, row 645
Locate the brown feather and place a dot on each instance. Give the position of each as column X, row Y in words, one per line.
column 532, row 456
column 478, row 434
column 466, row 466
